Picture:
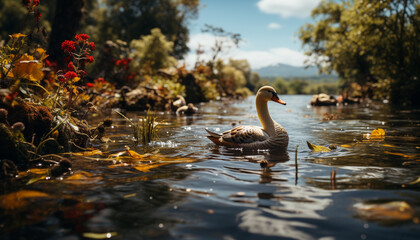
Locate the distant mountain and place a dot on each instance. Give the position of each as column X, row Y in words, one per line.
column 287, row 71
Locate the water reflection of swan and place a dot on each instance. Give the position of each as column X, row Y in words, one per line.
column 270, row 136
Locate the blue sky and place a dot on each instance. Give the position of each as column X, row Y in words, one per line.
column 268, row 27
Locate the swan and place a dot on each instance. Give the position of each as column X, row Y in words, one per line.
column 270, row 136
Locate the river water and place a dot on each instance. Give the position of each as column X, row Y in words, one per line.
column 185, row 187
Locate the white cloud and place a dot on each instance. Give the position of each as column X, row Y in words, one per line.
column 288, row 8
column 274, row 25
column 256, row 59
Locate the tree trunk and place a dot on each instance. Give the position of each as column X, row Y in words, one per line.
column 68, row 15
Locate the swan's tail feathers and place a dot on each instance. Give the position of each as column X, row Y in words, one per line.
column 215, row 140
column 213, row 134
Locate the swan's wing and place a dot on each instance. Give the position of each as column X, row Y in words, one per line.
column 245, row 134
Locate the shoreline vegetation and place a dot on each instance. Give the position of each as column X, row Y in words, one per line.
column 53, row 75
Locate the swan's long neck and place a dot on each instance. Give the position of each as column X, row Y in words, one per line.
column 264, row 116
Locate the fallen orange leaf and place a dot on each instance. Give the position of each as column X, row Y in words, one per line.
column 20, row 199
column 89, row 153
column 82, row 177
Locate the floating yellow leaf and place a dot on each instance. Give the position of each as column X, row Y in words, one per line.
column 35, row 179
column 117, row 155
column 20, row 199
column 88, row 153
column 348, row 145
column 417, row 181
column 38, row 171
column 409, row 156
column 82, row 177
column 130, row 195
column 27, row 67
column 375, row 135
column 385, row 212
column 99, row 235
column 317, row 148
column 133, row 154
column 146, row 167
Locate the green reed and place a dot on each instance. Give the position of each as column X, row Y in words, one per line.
column 144, row 130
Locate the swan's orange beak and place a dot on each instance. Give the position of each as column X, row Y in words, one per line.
column 278, row 100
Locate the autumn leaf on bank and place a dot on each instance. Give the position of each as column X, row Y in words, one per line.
column 29, row 68
column 375, row 135
column 20, row 199
column 317, row 148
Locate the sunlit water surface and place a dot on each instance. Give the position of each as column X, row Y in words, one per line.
column 202, row 191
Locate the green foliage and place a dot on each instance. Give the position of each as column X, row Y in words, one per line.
column 232, row 78
column 144, row 130
column 152, row 52
column 281, row 86
column 297, row 86
column 368, row 42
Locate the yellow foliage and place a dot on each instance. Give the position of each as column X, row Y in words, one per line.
column 27, row 67
column 42, row 53
column 17, row 36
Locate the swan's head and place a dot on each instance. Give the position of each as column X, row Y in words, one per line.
column 268, row 93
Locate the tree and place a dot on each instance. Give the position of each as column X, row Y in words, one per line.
column 297, row 86
column 280, row 85
column 131, row 19
column 223, row 41
column 152, row 52
column 369, row 43
column 65, row 25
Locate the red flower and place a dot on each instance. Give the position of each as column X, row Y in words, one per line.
column 90, row 59
column 70, row 75
column 119, row 62
column 68, row 46
column 92, row 46
column 90, row 84
column 70, row 66
column 36, row 2
column 81, row 37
